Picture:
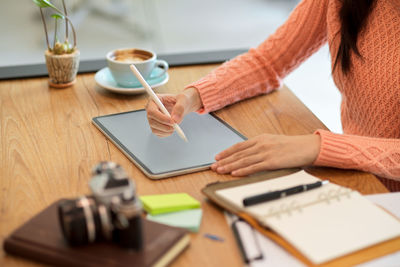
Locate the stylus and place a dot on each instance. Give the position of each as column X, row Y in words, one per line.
column 156, row 99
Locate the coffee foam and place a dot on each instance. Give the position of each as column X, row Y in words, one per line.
column 131, row 56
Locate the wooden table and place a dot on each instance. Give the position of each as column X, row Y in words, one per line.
column 49, row 146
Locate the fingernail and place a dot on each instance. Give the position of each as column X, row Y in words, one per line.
column 220, row 169
column 217, row 157
column 214, row 166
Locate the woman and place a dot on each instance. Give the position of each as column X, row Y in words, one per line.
column 364, row 41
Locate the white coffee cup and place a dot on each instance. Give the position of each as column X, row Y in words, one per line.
column 119, row 60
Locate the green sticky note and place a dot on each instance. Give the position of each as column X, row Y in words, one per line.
column 187, row 219
column 157, row 204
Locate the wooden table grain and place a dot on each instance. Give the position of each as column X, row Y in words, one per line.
column 49, row 146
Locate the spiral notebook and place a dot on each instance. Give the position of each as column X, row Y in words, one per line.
column 322, row 224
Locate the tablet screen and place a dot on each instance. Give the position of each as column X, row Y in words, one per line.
column 163, row 157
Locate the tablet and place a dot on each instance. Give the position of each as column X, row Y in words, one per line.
column 169, row 156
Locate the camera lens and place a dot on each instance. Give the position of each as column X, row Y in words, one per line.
column 80, row 221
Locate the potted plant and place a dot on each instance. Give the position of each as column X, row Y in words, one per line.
column 62, row 57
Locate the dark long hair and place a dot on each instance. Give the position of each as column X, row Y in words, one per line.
column 353, row 16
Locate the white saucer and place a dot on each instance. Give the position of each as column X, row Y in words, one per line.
column 104, row 79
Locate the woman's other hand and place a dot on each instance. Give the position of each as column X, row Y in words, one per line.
column 267, row 152
column 177, row 105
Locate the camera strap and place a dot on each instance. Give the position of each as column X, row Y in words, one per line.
column 89, row 219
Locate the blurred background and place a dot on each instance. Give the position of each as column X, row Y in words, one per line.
column 170, row 27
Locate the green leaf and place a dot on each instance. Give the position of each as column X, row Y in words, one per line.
column 39, row 3
column 44, row 3
column 57, row 16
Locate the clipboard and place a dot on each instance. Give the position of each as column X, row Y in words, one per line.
column 351, row 259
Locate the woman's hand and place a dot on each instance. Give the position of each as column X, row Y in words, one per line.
column 267, row 152
column 177, row 105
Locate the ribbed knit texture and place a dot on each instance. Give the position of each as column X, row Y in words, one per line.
column 370, row 92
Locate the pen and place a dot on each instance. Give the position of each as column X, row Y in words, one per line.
column 214, row 237
column 156, row 99
column 248, row 201
column 250, row 251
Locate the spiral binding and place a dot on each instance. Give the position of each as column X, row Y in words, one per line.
column 330, row 197
column 334, row 195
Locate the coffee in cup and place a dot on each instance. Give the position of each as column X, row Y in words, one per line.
column 131, row 56
column 145, row 61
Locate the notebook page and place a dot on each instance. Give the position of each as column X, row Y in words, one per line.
column 323, row 223
column 326, row 231
column 276, row 256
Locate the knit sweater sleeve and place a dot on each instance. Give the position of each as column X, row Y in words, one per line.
column 377, row 155
column 261, row 69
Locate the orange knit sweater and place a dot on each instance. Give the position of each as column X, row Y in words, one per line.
column 370, row 109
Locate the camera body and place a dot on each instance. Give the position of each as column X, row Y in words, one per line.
column 112, row 212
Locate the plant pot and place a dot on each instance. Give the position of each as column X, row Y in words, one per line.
column 62, row 68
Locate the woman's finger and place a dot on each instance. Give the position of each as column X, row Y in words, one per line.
column 241, row 163
column 160, row 126
column 168, row 101
column 160, row 133
column 154, row 113
column 235, row 148
column 258, row 167
column 252, row 150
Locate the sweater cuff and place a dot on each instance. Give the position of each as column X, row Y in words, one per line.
column 208, row 93
column 333, row 150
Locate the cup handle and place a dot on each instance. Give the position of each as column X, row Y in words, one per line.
column 163, row 65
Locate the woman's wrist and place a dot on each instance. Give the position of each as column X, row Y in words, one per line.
column 194, row 98
column 316, row 147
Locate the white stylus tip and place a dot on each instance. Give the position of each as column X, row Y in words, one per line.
column 180, row 132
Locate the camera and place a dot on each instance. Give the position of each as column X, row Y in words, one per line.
column 112, row 212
